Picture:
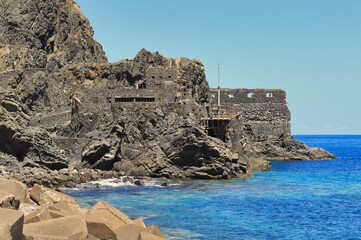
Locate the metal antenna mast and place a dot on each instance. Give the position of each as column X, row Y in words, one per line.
column 219, row 92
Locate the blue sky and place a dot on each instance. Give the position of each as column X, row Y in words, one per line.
column 309, row 48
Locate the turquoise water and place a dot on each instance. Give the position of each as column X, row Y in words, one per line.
column 295, row 200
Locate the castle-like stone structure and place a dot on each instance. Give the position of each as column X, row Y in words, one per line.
column 262, row 111
column 265, row 110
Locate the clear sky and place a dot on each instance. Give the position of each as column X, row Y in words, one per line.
column 309, row 48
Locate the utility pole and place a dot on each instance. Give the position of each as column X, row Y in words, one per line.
column 219, row 92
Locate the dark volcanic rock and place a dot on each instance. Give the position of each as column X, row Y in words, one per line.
column 165, row 141
column 284, row 148
column 45, row 34
column 126, row 73
column 24, row 146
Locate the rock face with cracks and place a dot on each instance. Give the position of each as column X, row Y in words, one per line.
column 45, row 34
column 158, row 142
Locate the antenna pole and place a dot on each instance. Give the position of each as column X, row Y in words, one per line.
column 219, row 92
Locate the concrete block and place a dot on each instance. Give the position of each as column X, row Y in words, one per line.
column 102, row 220
column 147, row 236
column 72, row 227
column 18, row 189
column 155, row 231
column 128, row 231
column 46, row 196
column 139, row 222
column 11, row 224
column 100, row 228
column 38, row 216
column 65, row 206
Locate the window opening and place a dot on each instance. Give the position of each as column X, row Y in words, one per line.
column 142, row 85
column 133, row 99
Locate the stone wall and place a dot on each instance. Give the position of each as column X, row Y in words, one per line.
column 256, row 112
column 233, row 97
column 161, row 75
column 160, row 85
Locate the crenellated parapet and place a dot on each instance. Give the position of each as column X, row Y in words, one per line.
column 233, row 96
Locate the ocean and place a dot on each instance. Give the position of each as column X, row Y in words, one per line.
column 294, row 200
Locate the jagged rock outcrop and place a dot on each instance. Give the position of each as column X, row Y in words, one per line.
column 159, row 142
column 272, row 148
column 125, row 73
column 24, row 146
column 45, row 34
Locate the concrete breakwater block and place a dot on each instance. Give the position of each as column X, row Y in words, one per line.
column 11, row 224
column 52, row 215
column 18, row 189
column 72, row 227
column 147, row 236
column 102, row 220
column 45, row 196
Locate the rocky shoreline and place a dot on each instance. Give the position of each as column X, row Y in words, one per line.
column 41, row 213
column 48, row 136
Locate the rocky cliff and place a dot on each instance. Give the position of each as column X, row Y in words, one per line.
column 48, row 57
column 45, row 34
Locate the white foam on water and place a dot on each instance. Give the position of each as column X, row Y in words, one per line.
column 181, row 233
column 111, row 182
column 115, row 182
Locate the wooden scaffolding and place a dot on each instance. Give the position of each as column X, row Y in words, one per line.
column 216, row 125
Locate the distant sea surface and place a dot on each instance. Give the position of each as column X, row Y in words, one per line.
column 294, row 200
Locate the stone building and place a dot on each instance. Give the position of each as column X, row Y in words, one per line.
column 160, row 85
